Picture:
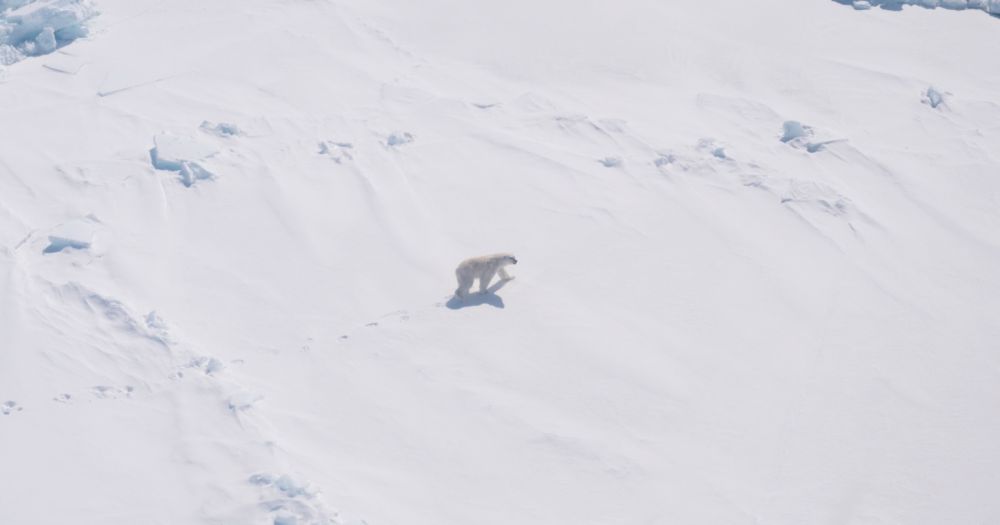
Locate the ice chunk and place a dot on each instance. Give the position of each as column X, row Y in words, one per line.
column 933, row 97
column 399, row 138
column 192, row 172
column 45, row 42
column 8, row 54
column 708, row 144
column 75, row 235
column 170, row 152
column 183, row 155
column 794, row 129
column 611, row 162
column 39, row 27
column 13, row 4
column 664, row 159
column 291, row 488
column 798, row 135
column 261, row 479
column 208, row 365
column 338, row 151
column 221, row 129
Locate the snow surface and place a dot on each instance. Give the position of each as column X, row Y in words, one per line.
column 707, row 325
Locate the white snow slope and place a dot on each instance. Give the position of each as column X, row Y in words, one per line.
column 759, row 275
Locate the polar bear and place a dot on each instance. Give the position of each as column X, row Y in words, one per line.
column 482, row 268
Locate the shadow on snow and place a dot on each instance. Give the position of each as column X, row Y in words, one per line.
column 489, row 297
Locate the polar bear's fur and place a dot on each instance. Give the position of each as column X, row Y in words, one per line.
column 482, row 268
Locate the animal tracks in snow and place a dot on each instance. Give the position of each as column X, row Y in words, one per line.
column 396, row 316
column 10, row 407
column 112, row 392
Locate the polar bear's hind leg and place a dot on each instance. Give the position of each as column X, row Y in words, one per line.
column 464, row 283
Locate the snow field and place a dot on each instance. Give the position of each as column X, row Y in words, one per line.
column 758, row 265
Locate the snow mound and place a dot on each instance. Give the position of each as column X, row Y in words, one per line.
column 290, row 502
column 9, row 407
column 338, row 151
column 819, row 197
column 664, row 159
column 398, row 139
column 183, row 155
column 241, row 401
column 114, row 315
column 709, row 145
column 933, row 97
column 206, row 364
column 31, row 28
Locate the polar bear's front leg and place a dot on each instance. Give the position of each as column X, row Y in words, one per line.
column 484, row 281
column 503, row 274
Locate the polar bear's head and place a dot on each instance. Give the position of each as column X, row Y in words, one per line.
column 509, row 259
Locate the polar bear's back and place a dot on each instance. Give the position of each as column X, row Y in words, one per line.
column 475, row 263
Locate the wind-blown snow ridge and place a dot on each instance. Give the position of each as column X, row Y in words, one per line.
column 38, row 27
column 990, row 6
column 117, row 314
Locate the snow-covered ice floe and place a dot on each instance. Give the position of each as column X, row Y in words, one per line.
column 38, row 27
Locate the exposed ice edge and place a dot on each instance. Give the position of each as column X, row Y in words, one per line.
column 77, row 234
column 990, row 6
column 38, row 27
column 184, row 155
